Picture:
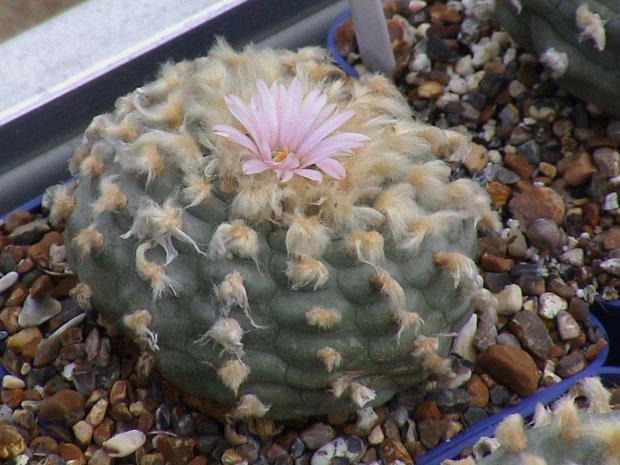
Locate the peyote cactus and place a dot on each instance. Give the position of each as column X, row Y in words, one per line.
column 280, row 238
column 563, row 435
column 577, row 40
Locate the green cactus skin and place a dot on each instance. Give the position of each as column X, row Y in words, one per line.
column 232, row 317
column 577, row 40
column 565, row 434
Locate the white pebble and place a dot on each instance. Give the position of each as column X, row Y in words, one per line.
column 349, row 448
column 573, row 257
column 611, row 266
column 463, row 66
column 7, row 281
column 510, row 300
column 124, row 444
column 37, row 311
column 376, row 436
column 567, row 326
column 12, row 382
column 463, row 344
column 611, row 202
column 550, row 304
column 458, row 85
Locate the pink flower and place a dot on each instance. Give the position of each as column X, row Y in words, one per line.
column 289, row 133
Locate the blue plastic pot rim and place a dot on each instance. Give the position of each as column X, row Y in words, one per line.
column 333, row 50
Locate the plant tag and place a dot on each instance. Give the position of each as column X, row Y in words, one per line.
column 372, row 35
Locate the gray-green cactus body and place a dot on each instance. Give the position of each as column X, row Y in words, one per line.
column 277, row 298
column 577, row 40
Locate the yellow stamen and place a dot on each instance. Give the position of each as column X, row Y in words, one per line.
column 280, row 155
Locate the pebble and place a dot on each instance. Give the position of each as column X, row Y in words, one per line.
column 8, row 280
column 510, row 300
column 38, row 310
column 511, row 366
column 570, row 364
column 348, row 448
column 568, row 328
column 532, row 334
column 393, row 452
column 376, row 436
column 463, row 344
column 550, row 304
column 64, row 406
column 580, row 170
column 544, row 234
column 317, row 435
column 478, row 392
column 536, row 203
column 12, row 382
column 124, row 444
column 11, row 442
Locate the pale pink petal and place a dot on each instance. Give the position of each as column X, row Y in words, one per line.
column 255, row 166
column 333, row 146
column 322, row 131
column 314, row 175
column 269, row 120
column 236, row 136
column 290, row 112
column 290, row 163
column 244, row 115
column 284, row 175
column 332, row 168
column 310, row 108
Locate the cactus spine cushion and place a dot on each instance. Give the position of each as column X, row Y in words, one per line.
column 281, row 239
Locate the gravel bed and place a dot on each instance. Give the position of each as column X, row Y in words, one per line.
column 77, row 393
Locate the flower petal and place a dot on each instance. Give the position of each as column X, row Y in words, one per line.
column 334, row 146
column 314, row 175
column 322, row 131
column 236, row 136
column 255, row 166
column 332, row 168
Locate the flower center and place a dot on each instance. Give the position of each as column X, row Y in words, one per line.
column 279, row 155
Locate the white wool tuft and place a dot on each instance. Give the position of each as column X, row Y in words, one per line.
column 308, row 237
column 87, row 240
column 235, row 238
column 138, row 322
column 323, row 318
column 228, row 333
column 153, row 273
column 339, row 386
column 461, row 268
column 566, row 417
column 510, row 433
column 366, row 246
column 360, row 394
column 598, row 396
column 111, row 198
column 329, row 357
column 233, row 373
column 302, row 271
column 399, row 208
column 591, row 26
column 249, row 406
column 231, row 292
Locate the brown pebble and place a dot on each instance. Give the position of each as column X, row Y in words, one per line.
column 17, row 296
column 9, row 319
column 177, row 451
column 63, row 288
column 41, row 286
column 103, row 431
column 478, row 392
column 580, row 170
column 531, row 285
column 570, row 364
column 15, row 219
column 24, row 266
column 39, row 252
column 44, row 445
column 499, row 193
column 611, row 239
column 63, row 406
column 11, row 442
column 70, row 451
column 430, row 90
column 595, row 349
column 512, row 366
column 12, row 397
column 519, row 164
column 199, row 460
column 535, row 203
column 231, row 457
column 495, row 264
column 46, row 352
column 393, row 451
column 444, row 13
column 25, row 342
column 426, row 410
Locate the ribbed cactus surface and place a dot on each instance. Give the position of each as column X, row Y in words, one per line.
column 577, row 40
column 282, row 239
